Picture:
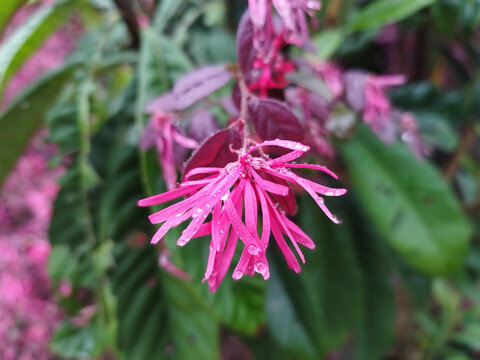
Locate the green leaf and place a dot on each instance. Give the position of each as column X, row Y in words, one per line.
column 27, row 113
column 409, row 202
column 26, row 39
column 382, row 12
column 75, row 342
column 7, row 10
column 328, row 42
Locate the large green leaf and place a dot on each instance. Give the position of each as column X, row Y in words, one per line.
column 409, row 202
column 6, row 11
column 26, row 115
column 28, row 37
column 382, row 12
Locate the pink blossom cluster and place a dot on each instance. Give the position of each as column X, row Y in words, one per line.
column 28, row 313
column 239, row 182
column 49, row 56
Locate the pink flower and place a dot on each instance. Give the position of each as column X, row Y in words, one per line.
column 253, row 182
column 332, row 76
column 272, row 69
column 293, row 17
column 410, row 135
column 377, row 110
column 162, row 133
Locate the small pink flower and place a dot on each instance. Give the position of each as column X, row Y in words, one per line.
column 272, row 68
column 332, row 75
column 162, row 133
column 251, row 183
column 377, row 111
column 293, row 17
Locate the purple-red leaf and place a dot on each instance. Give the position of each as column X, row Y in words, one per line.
column 272, row 119
column 164, row 103
column 199, row 84
column 245, row 50
column 216, row 151
column 202, row 125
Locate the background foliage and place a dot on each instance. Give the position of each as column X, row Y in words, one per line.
column 399, row 279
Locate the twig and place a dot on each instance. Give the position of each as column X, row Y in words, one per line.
column 467, row 140
column 128, row 16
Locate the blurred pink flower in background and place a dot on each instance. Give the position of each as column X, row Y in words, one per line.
column 28, row 313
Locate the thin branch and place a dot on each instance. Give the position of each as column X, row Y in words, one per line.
column 128, row 16
column 466, row 143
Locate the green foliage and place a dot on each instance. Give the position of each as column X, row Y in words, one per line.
column 410, row 204
column 25, row 115
column 29, row 36
column 400, row 218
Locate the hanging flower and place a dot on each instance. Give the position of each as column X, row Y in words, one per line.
column 378, row 110
column 162, row 133
column 251, row 183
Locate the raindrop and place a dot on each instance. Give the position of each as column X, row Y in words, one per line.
column 253, row 250
column 329, row 193
column 260, row 267
column 179, row 214
column 237, row 275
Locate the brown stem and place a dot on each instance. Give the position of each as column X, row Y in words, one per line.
column 467, row 140
column 244, row 94
column 128, row 16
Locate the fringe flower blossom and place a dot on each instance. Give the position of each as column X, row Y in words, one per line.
column 162, row 133
column 233, row 196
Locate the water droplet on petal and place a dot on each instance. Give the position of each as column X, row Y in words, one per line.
column 237, row 275
column 253, row 250
column 222, row 231
column 329, row 193
column 225, row 197
column 179, row 214
column 260, row 267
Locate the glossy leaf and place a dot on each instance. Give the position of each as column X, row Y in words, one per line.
column 272, row 119
column 410, row 204
column 382, row 12
column 7, row 10
column 27, row 38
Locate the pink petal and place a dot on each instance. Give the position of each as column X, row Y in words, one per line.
column 201, row 170
column 306, row 166
column 167, row 196
column 270, row 186
column 287, row 253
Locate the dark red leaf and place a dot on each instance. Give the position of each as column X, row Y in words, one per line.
column 199, row 84
column 216, row 150
column 272, row 119
column 202, row 125
column 245, row 50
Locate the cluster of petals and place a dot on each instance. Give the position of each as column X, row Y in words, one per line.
column 233, row 196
